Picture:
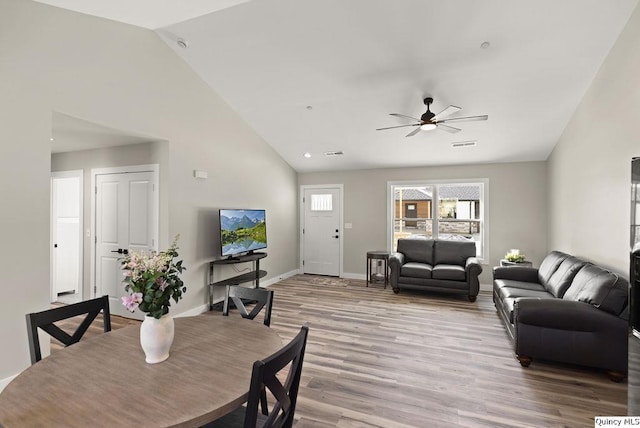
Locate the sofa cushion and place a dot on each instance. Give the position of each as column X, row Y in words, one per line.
column 416, row 270
column 561, row 279
column 512, row 293
column 600, row 288
column 453, row 252
column 416, row 250
column 523, row 285
column 452, row 272
column 549, row 265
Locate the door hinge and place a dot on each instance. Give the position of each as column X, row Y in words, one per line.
column 303, row 230
column 95, row 239
column 303, row 199
column 95, row 290
column 303, row 263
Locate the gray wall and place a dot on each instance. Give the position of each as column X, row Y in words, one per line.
column 590, row 169
column 517, row 207
column 124, row 78
column 136, row 154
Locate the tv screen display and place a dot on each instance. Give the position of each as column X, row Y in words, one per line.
column 242, row 231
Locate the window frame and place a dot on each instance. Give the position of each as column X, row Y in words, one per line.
column 484, row 208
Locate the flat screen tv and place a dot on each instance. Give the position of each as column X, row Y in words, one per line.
column 242, row 231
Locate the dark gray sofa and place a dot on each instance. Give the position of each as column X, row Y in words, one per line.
column 436, row 265
column 568, row 310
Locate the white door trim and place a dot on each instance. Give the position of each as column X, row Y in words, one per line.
column 304, row 187
column 153, row 168
column 76, row 173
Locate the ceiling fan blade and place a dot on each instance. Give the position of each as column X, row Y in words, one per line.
column 398, row 126
column 446, row 112
column 412, row 133
column 404, row 115
column 465, row 119
column 448, row 128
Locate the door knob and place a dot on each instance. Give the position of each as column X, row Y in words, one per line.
column 119, row 251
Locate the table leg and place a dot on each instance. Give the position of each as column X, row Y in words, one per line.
column 386, row 273
column 368, row 270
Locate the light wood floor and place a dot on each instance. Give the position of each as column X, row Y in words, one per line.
column 377, row 359
column 425, row 360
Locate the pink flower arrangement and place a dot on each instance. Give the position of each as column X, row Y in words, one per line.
column 152, row 280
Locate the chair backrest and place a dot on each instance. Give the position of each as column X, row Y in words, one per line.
column 262, row 297
column 46, row 319
column 264, row 375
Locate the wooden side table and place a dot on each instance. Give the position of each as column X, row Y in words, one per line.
column 505, row 262
column 373, row 256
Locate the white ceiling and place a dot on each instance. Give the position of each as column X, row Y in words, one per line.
column 316, row 76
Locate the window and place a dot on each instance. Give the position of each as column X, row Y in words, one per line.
column 321, row 202
column 439, row 210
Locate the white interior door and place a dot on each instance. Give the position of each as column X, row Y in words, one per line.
column 66, row 233
column 321, row 231
column 126, row 220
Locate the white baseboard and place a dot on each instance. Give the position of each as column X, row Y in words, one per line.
column 279, row 278
column 347, row 275
column 193, row 312
column 5, row 382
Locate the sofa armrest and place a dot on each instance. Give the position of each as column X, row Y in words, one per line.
column 396, row 260
column 473, row 269
column 571, row 332
column 516, row 273
column 564, row 315
column 473, row 266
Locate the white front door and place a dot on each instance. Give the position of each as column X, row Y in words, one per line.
column 321, row 231
column 66, row 233
column 126, row 213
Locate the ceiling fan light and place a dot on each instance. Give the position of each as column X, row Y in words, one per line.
column 428, row 127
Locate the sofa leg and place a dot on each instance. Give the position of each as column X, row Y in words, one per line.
column 616, row 376
column 524, row 361
column 396, row 290
column 472, row 298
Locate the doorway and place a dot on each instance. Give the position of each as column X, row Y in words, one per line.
column 125, row 219
column 66, row 236
column 321, row 230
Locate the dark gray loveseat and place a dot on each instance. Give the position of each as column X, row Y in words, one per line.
column 436, row 265
column 568, row 310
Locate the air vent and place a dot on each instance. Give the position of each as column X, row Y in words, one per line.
column 334, row 153
column 464, row 144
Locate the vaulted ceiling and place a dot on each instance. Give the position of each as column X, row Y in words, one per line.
column 317, row 76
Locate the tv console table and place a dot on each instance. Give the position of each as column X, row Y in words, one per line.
column 253, row 275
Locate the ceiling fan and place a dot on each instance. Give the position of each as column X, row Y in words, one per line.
column 429, row 121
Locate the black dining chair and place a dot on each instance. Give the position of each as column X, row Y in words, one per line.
column 265, row 375
column 46, row 319
column 262, row 297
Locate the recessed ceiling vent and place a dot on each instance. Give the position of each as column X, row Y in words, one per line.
column 464, row 144
column 334, row 153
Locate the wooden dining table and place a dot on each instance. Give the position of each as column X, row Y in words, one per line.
column 104, row 380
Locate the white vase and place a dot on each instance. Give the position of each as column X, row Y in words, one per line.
column 156, row 337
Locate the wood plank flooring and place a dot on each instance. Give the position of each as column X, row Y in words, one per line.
column 377, row 359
